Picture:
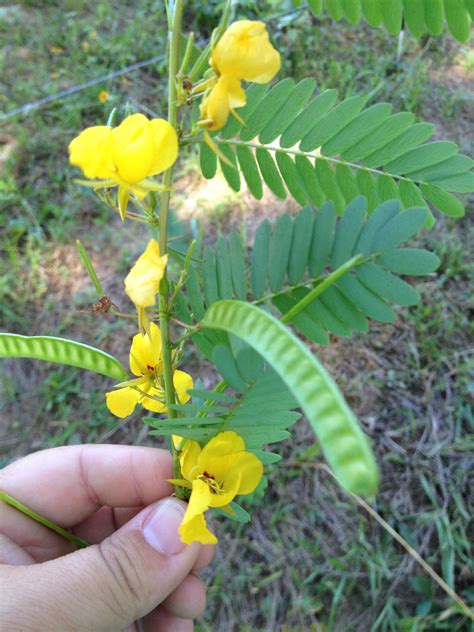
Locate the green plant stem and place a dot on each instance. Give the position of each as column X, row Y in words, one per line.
column 319, row 289
column 9, row 500
column 173, row 68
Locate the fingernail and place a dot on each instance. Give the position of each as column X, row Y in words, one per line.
column 160, row 529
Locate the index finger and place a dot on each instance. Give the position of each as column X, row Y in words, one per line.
column 66, row 485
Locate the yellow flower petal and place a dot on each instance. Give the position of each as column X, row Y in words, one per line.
column 245, row 52
column 223, row 444
column 143, row 280
column 235, row 92
column 182, row 383
column 122, row 402
column 246, row 463
column 92, row 152
column 133, row 148
column 188, row 459
column 166, row 146
column 193, row 528
column 215, row 107
column 145, row 352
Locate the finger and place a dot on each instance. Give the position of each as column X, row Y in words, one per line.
column 188, row 601
column 37, row 541
column 104, row 522
column 68, row 484
column 162, row 621
column 11, row 553
column 206, row 556
column 111, row 585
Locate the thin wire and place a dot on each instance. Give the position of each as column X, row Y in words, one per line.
column 27, row 108
column 34, row 105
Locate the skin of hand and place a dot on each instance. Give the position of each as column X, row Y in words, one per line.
column 118, row 499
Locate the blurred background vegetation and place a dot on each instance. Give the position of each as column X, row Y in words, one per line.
column 312, row 558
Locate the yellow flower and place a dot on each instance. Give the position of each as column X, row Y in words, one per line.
column 245, row 52
column 56, row 50
column 103, row 96
column 216, row 474
column 85, row 46
column 147, row 390
column 126, row 155
column 143, row 281
column 224, row 96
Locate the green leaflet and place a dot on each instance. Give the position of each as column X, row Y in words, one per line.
column 410, row 261
column 392, row 14
column 270, row 173
column 415, row 16
column 223, row 269
column 387, row 284
column 61, row 351
column 458, row 19
column 335, row 9
column 372, row 12
column 260, row 259
column 347, row 232
column 280, row 252
column 291, row 177
column 346, row 182
column 343, row 442
column 316, row 6
column 322, row 239
column 237, row 264
column 352, row 10
column 421, row 157
column 301, row 242
column 434, row 16
column 249, row 168
column 208, row 162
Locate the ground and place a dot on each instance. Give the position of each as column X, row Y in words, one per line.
column 311, row 556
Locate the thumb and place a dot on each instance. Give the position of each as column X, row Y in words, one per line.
column 110, row 585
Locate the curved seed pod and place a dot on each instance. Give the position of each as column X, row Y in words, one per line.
column 345, row 446
column 61, row 351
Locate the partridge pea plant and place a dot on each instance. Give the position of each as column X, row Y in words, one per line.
column 363, row 176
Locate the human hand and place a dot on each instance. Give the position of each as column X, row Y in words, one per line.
column 117, row 498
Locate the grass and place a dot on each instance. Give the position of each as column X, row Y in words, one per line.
column 312, row 559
